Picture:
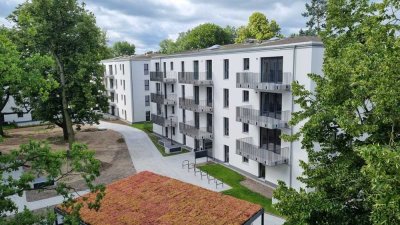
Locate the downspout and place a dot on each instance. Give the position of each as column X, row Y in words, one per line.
column 132, row 96
column 291, row 128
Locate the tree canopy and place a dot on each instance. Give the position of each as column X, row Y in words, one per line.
column 67, row 32
column 258, row 27
column 353, row 114
column 121, row 48
column 316, row 14
column 202, row 36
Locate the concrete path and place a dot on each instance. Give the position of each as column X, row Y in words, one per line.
column 145, row 156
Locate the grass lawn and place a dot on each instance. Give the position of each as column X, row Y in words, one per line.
column 148, row 128
column 233, row 179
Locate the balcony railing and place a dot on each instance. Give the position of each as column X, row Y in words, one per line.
column 189, row 129
column 196, row 106
column 268, row 157
column 166, row 77
column 196, row 78
column 162, row 121
column 255, row 117
column 254, row 81
column 169, row 99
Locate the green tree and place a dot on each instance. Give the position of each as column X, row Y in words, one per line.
column 67, row 32
column 202, row 36
column 353, row 114
column 121, row 48
column 57, row 166
column 258, row 28
column 316, row 14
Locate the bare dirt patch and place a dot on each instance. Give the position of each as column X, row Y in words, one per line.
column 257, row 187
column 110, row 148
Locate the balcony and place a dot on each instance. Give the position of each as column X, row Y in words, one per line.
column 255, row 117
column 169, row 99
column 253, row 81
column 195, row 78
column 162, row 121
column 195, row 106
column 189, row 129
column 165, row 77
column 245, row 148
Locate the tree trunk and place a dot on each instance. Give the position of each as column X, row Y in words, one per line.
column 66, row 116
column 1, row 124
column 65, row 131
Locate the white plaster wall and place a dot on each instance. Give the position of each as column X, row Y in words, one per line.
column 139, row 92
column 14, row 117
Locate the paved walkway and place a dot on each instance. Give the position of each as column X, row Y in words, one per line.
column 145, row 156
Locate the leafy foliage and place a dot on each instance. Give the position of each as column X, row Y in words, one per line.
column 66, row 32
column 37, row 159
column 121, row 48
column 258, row 28
column 354, row 106
column 316, row 14
column 202, row 36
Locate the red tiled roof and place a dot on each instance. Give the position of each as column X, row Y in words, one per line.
column 148, row 198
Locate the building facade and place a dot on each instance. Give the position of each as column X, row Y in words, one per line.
column 127, row 82
column 235, row 101
column 15, row 116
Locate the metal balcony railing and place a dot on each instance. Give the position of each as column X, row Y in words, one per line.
column 196, row 78
column 162, row 121
column 264, row 155
column 166, row 77
column 196, row 106
column 254, row 81
column 169, row 99
column 269, row 120
column 189, row 129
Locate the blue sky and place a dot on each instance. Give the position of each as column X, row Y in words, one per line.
column 146, row 22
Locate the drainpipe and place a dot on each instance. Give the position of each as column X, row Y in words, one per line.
column 131, row 86
column 291, row 129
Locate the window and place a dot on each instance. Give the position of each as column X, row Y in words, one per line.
column 116, row 97
column 112, row 96
column 146, row 69
column 246, row 64
column 20, row 114
column 226, row 68
column 173, row 130
column 124, row 99
column 123, row 69
column 271, row 69
column 124, row 84
column 146, row 85
column 157, row 67
column 172, row 88
column 209, row 69
column 184, row 139
column 120, row 81
column 245, row 96
column 245, row 128
column 116, row 84
column 147, row 115
column 245, row 159
column 173, row 109
column 226, row 126
column 182, row 66
column 110, row 69
column 147, row 100
column 111, row 83
column 226, row 98
column 184, row 115
column 172, row 65
column 115, row 67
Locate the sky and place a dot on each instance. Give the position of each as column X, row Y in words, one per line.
column 147, row 22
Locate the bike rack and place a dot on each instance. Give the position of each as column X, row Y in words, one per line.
column 185, row 163
column 203, row 174
column 210, row 178
column 217, row 182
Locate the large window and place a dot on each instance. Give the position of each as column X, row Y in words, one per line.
column 246, row 64
column 146, row 85
column 172, row 65
column 245, row 128
column 226, row 98
column 226, row 68
column 147, row 100
column 147, row 115
column 270, row 139
column 271, row 105
column 226, row 126
column 209, row 69
column 271, row 69
column 110, row 69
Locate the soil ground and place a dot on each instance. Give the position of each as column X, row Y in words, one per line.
column 257, row 187
column 109, row 146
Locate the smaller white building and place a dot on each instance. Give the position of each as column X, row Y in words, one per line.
column 12, row 116
column 127, row 82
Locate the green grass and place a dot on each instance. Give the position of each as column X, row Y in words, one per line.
column 147, row 127
column 233, row 179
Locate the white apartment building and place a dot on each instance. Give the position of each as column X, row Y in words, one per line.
column 127, row 82
column 235, row 101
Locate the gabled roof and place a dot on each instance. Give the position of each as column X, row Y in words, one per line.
column 148, row 198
